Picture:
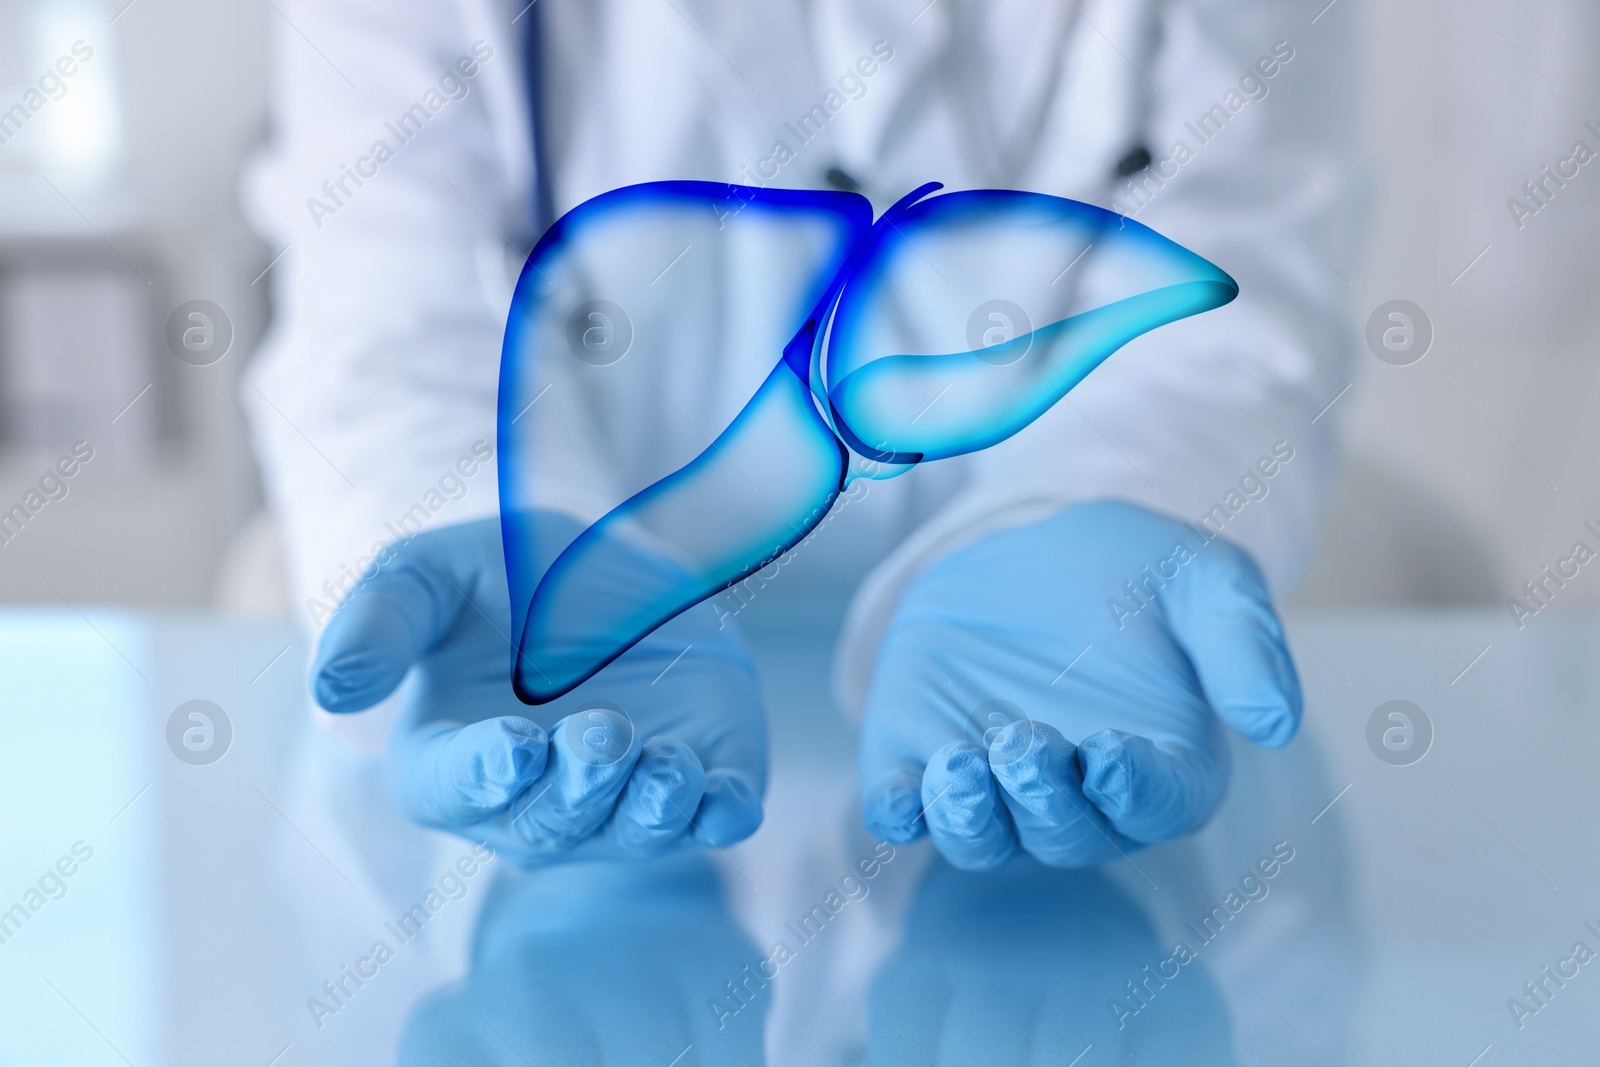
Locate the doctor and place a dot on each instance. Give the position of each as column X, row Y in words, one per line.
column 1049, row 639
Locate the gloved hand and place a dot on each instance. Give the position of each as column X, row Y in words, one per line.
column 1014, row 702
column 667, row 744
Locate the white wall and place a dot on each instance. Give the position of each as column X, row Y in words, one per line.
column 1474, row 466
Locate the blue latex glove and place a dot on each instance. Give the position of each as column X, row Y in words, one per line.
column 665, row 745
column 978, row 732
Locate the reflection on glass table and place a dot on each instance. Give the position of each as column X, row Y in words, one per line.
column 1378, row 892
column 1029, row 965
column 598, row 964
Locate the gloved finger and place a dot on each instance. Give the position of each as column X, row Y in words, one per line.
column 1221, row 616
column 464, row 774
column 659, row 800
column 731, row 809
column 592, row 753
column 1147, row 792
column 891, row 787
column 381, row 628
column 1041, row 785
column 966, row 818
column 734, row 753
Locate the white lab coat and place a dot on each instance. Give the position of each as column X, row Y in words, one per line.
column 379, row 375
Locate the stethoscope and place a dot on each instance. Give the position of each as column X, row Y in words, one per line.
column 1137, row 158
column 544, row 210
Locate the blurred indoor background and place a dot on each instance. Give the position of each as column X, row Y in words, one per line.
column 1468, row 470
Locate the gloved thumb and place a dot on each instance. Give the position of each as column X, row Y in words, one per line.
column 1220, row 614
column 398, row 612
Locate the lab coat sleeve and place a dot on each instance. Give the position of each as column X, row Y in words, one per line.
column 372, row 401
column 1179, row 419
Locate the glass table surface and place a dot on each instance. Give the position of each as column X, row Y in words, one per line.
column 237, row 889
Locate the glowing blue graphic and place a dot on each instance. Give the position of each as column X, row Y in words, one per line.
column 844, row 348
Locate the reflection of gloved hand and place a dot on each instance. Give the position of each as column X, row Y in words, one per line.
column 1114, row 741
column 1020, row 965
column 666, row 744
column 591, row 964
